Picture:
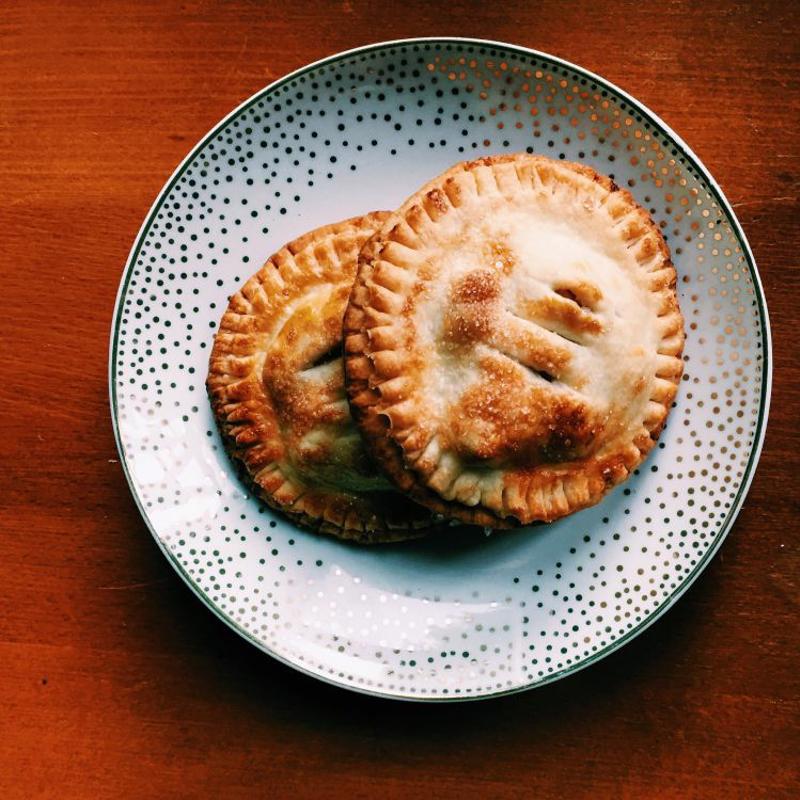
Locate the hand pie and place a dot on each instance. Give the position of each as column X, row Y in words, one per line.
column 276, row 386
column 513, row 340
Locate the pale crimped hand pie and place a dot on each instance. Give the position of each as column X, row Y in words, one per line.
column 276, row 386
column 513, row 340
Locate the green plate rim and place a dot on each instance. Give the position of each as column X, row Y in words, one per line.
column 693, row 162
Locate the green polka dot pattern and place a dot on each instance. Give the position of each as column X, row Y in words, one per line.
column 451, row 617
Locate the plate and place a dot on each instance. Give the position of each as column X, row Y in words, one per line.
column 452, row 617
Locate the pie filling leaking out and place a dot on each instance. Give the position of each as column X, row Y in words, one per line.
column 513, row 340
column 276, row 385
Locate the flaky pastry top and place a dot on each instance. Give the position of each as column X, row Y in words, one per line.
column 513, row 339
column 277, row 391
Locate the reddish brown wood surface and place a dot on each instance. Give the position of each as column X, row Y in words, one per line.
column 114, row 680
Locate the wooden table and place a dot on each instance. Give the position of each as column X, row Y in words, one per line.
column 114, row 680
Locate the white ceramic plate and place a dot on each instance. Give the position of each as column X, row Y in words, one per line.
column 449, row 618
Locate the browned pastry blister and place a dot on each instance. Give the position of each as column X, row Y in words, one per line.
column 276, row 386
column 513, row 340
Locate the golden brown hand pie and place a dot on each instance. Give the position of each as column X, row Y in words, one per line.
column 513, row 340
column 276, row 386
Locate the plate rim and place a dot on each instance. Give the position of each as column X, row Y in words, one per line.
column 766, row 377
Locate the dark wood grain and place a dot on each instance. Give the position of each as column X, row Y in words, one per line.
column 114, row 680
